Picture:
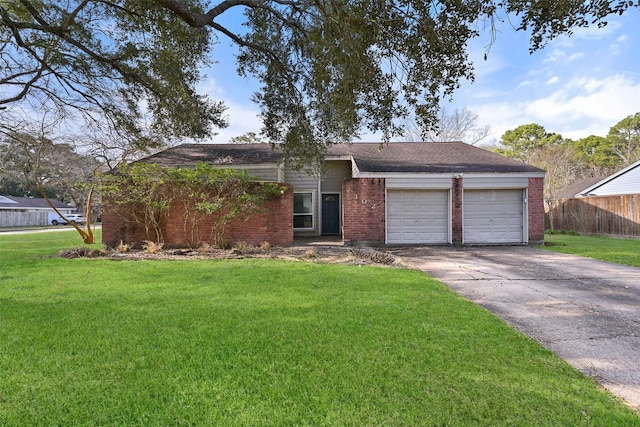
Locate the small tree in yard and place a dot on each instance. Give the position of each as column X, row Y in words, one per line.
column 194, row 194
column 139, row 189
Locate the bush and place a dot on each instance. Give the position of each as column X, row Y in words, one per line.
column 562, row 232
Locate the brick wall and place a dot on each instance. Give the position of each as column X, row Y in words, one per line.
column 364, row 210
column 456, row 210
column 536, row 211
column 274, row 224
column 117, row 228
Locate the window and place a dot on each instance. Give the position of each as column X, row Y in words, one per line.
column 303, row 210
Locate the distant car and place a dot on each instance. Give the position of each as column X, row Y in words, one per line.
column 78, row 219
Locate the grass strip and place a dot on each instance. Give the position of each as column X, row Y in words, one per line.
column 617, row 250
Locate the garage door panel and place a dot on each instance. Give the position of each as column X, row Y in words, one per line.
column 493, row 216
column 418, row 216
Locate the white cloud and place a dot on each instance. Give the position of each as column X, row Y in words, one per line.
column 575, row 56
column 242, row 114
column 555, row 55
column 242, row 119
column 585, row 106
column 553, row 80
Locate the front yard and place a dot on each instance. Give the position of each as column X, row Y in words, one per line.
column 265, row 342
column 621, row 251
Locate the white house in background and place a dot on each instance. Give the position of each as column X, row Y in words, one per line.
column 626, row 181
column 29, row 211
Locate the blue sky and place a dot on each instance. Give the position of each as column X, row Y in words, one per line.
column 576, row 86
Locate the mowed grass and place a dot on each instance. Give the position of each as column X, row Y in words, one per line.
column 265, row 343
column 621, row 251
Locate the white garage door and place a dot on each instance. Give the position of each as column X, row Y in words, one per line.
column 417, row 216
column 493, row 216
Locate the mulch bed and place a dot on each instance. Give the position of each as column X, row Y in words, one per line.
column 320, row 254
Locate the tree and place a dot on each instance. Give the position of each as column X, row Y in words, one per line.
column 597, row 154
column 52, row 170
column 562, row 169
column 144, row 193
column 522, row 142
column 459, row 125
column 328, row 69
column 127, row 66
column 624, row 139
column 247, row 138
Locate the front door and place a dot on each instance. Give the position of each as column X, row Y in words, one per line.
column 331, row 214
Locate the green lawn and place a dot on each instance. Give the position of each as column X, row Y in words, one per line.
column 265, row 342
column 621, row 251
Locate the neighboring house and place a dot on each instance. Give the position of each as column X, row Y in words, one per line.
column 577, row 187
column 605, row 206
column 397, row 193
column 626, row 181
column 28, row 211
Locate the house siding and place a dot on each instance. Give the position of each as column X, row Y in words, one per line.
column 303, row 182
column 627, row 183
column 337, row 172
column 364, row 211
column 268, row 173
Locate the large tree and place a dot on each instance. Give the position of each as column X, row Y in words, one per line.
column 41, row 166
column 624, row 139
column 457, row 125
column 524, row 141
column 329, row 69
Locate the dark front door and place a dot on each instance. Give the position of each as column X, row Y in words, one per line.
column 330, row 214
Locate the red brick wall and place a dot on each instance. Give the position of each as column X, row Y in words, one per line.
column 536, row 210
column 457, row 186
column 116, row 228
column 364, row 210
column 456, row 210
column 274, row 225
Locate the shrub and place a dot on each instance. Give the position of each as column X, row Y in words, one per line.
column 152, row 247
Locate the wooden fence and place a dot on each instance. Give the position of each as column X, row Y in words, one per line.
column 610, row 215
column 23, row 219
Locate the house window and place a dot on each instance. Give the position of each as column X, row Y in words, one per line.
column 303, row 211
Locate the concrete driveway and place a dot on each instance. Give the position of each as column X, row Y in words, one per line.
column 586, row 311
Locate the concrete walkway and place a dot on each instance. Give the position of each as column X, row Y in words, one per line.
column 586, row 311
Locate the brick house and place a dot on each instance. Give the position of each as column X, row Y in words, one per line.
column 399, row 193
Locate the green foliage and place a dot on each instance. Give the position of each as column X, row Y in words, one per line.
column 620, row 148
column 522, row 142
column 262, row 342
column 138, row 189
column 26, row 160
column 624, row 139
column 596, row 152
column 147, row 191
column 105, row 60
column 329, row 70
column 247, row 138
column 561, row 232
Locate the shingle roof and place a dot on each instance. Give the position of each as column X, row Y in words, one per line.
column 578, row 187
column 187, row 155
column 420, row 157
column 429, row 157
column 29, row 202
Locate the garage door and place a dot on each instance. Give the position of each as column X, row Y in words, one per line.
column 417, row 216
column 493, row 216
